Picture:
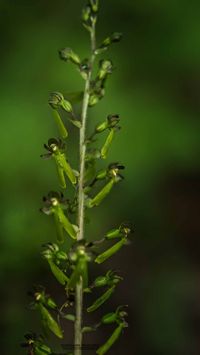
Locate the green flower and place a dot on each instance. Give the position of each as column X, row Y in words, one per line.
column 54, row 204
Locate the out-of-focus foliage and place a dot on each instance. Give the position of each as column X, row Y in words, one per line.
column 155, row 89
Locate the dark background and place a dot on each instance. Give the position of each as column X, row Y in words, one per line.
column 156, row 90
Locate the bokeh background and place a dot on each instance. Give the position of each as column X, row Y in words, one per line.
column 156, row 90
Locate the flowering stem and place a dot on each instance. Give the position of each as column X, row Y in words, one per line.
column 82, row 152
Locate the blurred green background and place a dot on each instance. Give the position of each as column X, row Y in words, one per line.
column 156, row 90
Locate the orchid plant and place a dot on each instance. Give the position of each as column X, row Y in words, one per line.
column 70, row 267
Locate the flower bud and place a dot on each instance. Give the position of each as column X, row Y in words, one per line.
column 93, row 100
column 67, row 54
column 87, row 17
column 94, row 5
column 96, row 96
column 66, row 105
column 55, row 99
column 106, row 67
column 113, row 38
column 86, row 12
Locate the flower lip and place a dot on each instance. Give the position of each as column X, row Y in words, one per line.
column 106, row 64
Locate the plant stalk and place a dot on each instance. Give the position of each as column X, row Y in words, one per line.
column 81, row 197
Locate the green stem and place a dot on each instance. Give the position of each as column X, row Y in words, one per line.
column 80, row 236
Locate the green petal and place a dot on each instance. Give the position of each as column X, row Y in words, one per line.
column 95, row 201
column 61, row 162
column 59, row 229
column 109, row 252
column 50, row 322
column 69, row 172
column 115, row 335
column 61, row 177
column 61, row 127
column 106, row 295
column 68, row 227
column 107, row 144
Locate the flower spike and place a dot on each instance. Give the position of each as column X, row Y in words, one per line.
column 69, row 263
